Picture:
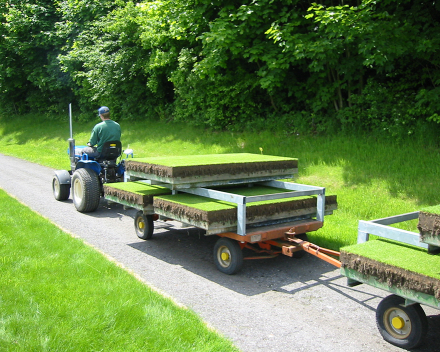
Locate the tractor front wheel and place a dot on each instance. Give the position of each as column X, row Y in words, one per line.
column 85, row 190
column 60, row 192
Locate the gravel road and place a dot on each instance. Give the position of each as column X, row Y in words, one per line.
column 280, row 304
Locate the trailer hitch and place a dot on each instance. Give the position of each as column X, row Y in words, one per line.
column 322, row 253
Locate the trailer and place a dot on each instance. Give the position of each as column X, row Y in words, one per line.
column 156, row 193
column 242, row 215
column 400, row 318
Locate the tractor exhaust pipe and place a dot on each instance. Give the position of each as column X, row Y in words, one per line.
column 71, row 142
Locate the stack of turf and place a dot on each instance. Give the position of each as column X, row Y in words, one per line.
column 212, row 168
column 133, row 193
column 429, row 225
column 395, row 264
column 218, row 216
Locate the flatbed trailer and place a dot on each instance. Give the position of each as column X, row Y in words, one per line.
column 267, row 236
column 399, row 317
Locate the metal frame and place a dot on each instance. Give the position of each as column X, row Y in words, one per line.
column 298, row 190
column 379, row 228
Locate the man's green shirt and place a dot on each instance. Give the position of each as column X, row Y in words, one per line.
column 105, row 131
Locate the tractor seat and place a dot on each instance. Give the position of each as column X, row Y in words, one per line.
column 111, row 150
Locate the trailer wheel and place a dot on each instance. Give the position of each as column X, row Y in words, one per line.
column 60, row 192
column 401, row 326
column 144, row 225
column 86, row 191
column 228, row 256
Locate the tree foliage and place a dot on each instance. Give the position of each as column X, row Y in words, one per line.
column 370, row 64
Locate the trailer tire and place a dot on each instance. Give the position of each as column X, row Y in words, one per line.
column 60, row 191
column 144, row 225
column 85, row 190
column 405, row 327
column 228, row 256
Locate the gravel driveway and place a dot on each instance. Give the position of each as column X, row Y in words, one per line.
column 280, row 304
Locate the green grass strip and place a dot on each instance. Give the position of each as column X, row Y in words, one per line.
column 400, row 255
column 208, row 204
column 137, row 187
column 435, row 209
column 210, row 159
column 59, row 294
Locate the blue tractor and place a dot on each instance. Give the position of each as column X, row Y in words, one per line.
column 87, row 175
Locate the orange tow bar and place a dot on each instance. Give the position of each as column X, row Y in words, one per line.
column 322, row 253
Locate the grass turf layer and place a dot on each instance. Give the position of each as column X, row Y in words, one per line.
column 397, row 264
column 208, row 213
column 435, row 209
column 208, row 204
column 135, row 192
column 212, row 159
column 214, row 165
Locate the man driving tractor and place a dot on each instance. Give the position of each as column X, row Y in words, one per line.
column 105, row 131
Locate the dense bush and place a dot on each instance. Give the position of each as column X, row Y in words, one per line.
column 369, row 65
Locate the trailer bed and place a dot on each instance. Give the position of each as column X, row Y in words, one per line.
column 401, row 269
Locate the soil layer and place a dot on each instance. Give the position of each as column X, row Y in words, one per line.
column 228, row 214
column 135, row 192
column 214, row 165
column 429, row 225
column 393, row 275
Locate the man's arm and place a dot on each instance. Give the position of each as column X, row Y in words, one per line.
column 93, row 138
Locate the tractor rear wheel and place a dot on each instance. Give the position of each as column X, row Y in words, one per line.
column 60, row 192
column 85, row 190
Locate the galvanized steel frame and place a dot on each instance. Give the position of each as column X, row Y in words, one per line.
column 298, row 190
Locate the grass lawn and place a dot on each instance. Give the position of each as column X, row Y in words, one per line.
column 58, row 294
column 372, row 177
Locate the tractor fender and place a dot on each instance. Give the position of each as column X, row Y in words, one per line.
column 63, row 177
column 89, row 164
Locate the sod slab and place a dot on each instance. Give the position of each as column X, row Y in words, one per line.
column 213, row 215
column 212, row 167
column 395, row 264
column 429, row 225
column 135, row 192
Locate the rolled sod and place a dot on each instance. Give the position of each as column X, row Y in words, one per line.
column 134, row 192
column 210, row 214
column 193, row 168
column 429, row 224
column 396, row 264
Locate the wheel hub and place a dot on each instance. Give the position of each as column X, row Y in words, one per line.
column 398, row 323
column 224, row 256
column 78, row 189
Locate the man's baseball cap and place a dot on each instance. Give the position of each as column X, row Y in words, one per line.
column 103, row 110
